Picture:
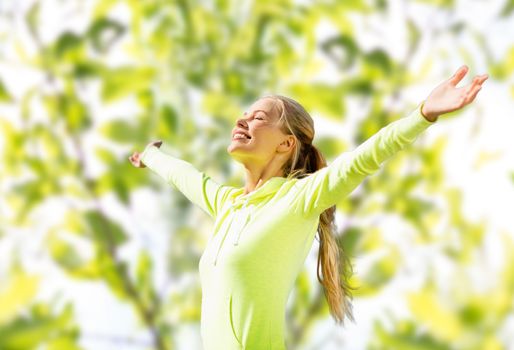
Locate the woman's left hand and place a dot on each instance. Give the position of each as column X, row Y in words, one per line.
column 446, row 97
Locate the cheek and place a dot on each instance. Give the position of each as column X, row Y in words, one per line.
column 265, row 141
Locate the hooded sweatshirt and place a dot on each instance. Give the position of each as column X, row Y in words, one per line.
column 260, row 240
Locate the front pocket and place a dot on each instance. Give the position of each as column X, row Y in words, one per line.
column 232, row 322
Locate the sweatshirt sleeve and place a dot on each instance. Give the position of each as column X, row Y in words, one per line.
column 327, row 186
column 198, row 187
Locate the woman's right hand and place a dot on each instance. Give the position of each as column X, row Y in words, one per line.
column 135, row 158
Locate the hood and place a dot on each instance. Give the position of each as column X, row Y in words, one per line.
column 242, row 214
column 271, row 186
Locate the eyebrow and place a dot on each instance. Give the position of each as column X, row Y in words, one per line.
column 258, row 110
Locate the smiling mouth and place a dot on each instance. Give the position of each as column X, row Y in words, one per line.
column 239, row 137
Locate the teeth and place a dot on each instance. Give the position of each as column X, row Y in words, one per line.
column 240, row 136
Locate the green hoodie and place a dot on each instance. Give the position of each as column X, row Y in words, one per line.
column 260, row 240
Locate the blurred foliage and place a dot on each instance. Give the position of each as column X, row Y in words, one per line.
column 28, row 324
column 185, row 58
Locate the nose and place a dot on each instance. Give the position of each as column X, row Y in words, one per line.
column 241, row 123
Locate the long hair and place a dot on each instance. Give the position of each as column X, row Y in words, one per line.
column 333, row 263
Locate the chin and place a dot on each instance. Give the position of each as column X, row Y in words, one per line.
column 232, row 151
column 232, row 147
column 237, row 153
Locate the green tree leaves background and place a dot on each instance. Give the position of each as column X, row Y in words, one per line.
column 76, row 101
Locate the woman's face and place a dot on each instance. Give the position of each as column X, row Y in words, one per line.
column 260, row 122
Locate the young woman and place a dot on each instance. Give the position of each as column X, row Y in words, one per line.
column 264, row 230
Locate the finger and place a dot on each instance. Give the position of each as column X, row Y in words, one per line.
column 483, row 78
column 472, row 94
column 469, row 88
column 459, row 74
column 477, row 81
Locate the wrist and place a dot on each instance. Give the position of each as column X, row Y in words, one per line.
column 430, row 117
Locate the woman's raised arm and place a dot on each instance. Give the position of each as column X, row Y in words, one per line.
column 329, row 185
column 199, row 188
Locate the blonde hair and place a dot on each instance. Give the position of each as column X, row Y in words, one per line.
column 307, row 159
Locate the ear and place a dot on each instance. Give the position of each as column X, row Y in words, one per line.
column 288, row 144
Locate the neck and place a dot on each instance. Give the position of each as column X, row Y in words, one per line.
column 255, row 179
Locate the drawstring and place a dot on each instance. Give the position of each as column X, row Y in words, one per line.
column 247, row 216
column 238, row 216
column 222, row 240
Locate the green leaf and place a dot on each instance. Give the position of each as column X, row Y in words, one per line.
column 405, row 336
column 377, row 64
column 40, row 326
column 90, row 270
column 33, row 192
column 32, row 18
column 441, row 321
column 102, row 8
column 381, row 272
column 13, row 152
column 87, row 69
column 342, row 49
column 122, row 131
column 68, row 45
column 331, row 147
column 63, row 343
column 63, row 252
column 122, row 190
column 105, row 155
column 144, row 277
column 474, row 312
column 15, row 294
column 303, row 287
column 350, row 239
column 114, row 179
column 120, row 82
column 103, row 229
column 53, row 159
column 112, row 275
column 168, row 123
column 75, row 113
column 104, row 32
column 144, row 267
column 377, row 276
column 320, row 98
column 25, row 334
column 357, row 86
column 5, row 96
column 507, row 9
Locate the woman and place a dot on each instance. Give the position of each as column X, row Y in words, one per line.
column 264, row 230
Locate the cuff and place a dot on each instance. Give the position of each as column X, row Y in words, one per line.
column 148, row 152
column 421, row 114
